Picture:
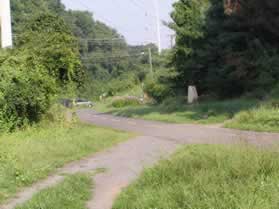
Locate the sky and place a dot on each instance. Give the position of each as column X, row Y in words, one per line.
column 135, row 19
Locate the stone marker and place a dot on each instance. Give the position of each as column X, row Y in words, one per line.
column 192, row 94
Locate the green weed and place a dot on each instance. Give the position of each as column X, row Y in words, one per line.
column 30, row 155
column 264, row 118
column 208, row 177
column 177, row 111
column 72, row 193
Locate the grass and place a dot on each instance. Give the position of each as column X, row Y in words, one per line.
column 72, row 193
column 237, row 114
column 264, row 118
column 136, row 91
column 179, row 112
column 28, row 156
column 208, row 177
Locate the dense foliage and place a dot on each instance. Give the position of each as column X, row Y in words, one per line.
column 57, row 50
column 227, row 53
column 45, row 60
column 104, row 53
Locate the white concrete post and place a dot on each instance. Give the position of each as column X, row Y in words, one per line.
column 6, row 24
column 192, row 94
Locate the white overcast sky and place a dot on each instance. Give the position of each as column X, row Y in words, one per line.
column 135, row 19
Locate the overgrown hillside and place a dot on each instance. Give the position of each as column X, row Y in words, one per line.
column 104, row 53
column 60, row 53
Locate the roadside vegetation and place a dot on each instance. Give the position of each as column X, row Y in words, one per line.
column 44, row 63
column 72, row 193
column 176, row 110
column 244, row 114
column 264, row 118
column 229, row 51
column 231, row 60
column 30, row 155
column 208, row 176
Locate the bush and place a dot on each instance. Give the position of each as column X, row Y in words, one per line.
column 58, row 114
column 94, row 88
column 125, row 102
column 159, row 85
column 264, row 118
column 158, row 91
column 121, row 84
column 45, row 60
column 25, row 92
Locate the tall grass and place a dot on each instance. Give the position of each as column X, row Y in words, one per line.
column 73, row 193
column 208, row 177
column 30, row 155
column 176, row 110
column 264, row 118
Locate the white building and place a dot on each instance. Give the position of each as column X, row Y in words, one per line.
column 5, row 23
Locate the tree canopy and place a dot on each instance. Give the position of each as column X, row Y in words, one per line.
column 228, row 54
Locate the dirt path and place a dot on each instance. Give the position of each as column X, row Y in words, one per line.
column 126, row 161
column 122, row 165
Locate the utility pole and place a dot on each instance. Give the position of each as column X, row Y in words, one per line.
column 150, row 61
column 158, row 23
column 6, row 24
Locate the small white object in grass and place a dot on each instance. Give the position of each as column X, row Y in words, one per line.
column 192, row 94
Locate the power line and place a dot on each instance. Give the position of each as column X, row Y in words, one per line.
column 112, row 57
column 107, row 41
column 101, row 16
column 146, row 13
column 142, row 8
column 104, row 39
column 157, row 18
column 138, row 5
column 89, row 9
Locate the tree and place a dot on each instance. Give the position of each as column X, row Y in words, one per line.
column 229, row 54
column 45, row 60
column 189, row 18
column 54, row 46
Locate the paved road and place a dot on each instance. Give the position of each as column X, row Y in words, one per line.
column 169, row 136
column 125, row 162
column 181, row 134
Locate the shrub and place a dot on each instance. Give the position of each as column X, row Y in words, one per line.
column 45, row 60
column 25, row 93
column 157, row 90
column 125, row 102
column 58, row 114
column 94, row 88
column 264, row 118
column 121, row 84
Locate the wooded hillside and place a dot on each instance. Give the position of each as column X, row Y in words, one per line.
column 229, row 49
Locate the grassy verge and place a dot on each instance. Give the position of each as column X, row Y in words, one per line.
column 27, row 156
column 73, row 193
column 179, row 112
column 264, row 118
column 208, row 177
